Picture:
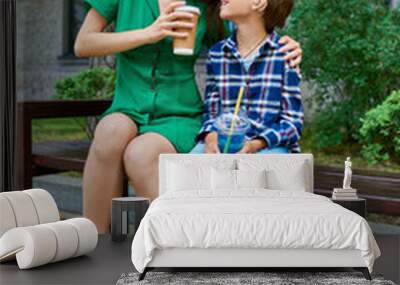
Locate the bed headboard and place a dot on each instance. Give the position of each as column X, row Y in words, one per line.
column 210, row 158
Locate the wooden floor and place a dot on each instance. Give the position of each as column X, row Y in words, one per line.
column 106, row 264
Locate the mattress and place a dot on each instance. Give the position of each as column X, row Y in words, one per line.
column 250, row 219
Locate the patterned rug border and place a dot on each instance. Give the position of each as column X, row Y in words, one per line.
column 244, row 278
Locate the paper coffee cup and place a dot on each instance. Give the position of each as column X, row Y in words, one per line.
column 185, row 46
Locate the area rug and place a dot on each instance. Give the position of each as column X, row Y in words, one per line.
column 244, row 278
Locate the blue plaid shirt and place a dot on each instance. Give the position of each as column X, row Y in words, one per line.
column 272, row 97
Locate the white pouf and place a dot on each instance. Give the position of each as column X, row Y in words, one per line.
column 41, row 244
column 45, row 205
column 33, row 246
column 87, row 234
column 7, row 218
column 31, row 232
column 67, row 239
column 23, row 208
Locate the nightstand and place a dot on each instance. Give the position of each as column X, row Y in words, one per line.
column 358, row 206
column 119, row 215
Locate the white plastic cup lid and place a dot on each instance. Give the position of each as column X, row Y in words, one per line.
column 223, row 122
column 190, row 9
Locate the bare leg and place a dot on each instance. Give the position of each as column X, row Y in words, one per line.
column 141, row 162
column 103, row 174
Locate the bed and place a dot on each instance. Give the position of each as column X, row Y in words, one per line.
column 247, row 211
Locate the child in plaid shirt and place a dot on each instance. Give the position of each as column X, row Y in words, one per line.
column 251, row 58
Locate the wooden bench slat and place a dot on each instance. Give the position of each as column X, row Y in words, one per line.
column 334, row 169
column 381, row 189
column 381, row 184
column 65, row 149
column 71, row 155
column 58, row 163
column 375, row 204
column 64, row 108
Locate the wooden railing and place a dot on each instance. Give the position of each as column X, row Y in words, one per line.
column 381, row 189
column 30, row 164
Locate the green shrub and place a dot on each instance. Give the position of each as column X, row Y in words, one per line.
column 380, row 131
column 351, row 57
column 96, row 83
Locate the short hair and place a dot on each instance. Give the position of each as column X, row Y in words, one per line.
column 276, row 13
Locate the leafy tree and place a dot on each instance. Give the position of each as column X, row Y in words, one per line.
column 380, row 131
column 351, row 57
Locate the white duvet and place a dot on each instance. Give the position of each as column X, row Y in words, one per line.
column 250, row 219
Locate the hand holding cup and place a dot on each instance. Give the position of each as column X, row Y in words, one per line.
column 211, row 143
column 171, row 22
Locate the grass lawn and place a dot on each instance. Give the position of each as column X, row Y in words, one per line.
column 58, row 129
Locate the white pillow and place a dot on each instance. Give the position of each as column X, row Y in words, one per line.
column 231, row 180
column 251, row 179
column 292, row 179
column 184, row 174
column 183, row 178
column 203, row 160
column 223, row 179
column 283, row 174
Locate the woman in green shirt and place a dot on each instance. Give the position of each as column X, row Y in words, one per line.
column 157, row 107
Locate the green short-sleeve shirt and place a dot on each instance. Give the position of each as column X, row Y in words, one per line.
column 154, row 87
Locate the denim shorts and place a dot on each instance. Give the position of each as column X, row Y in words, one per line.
column 200, row 148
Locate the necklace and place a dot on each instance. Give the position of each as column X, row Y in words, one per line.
column 248, row 52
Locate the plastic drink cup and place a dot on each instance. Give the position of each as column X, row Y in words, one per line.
column 185, row 46
column 238, row 139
